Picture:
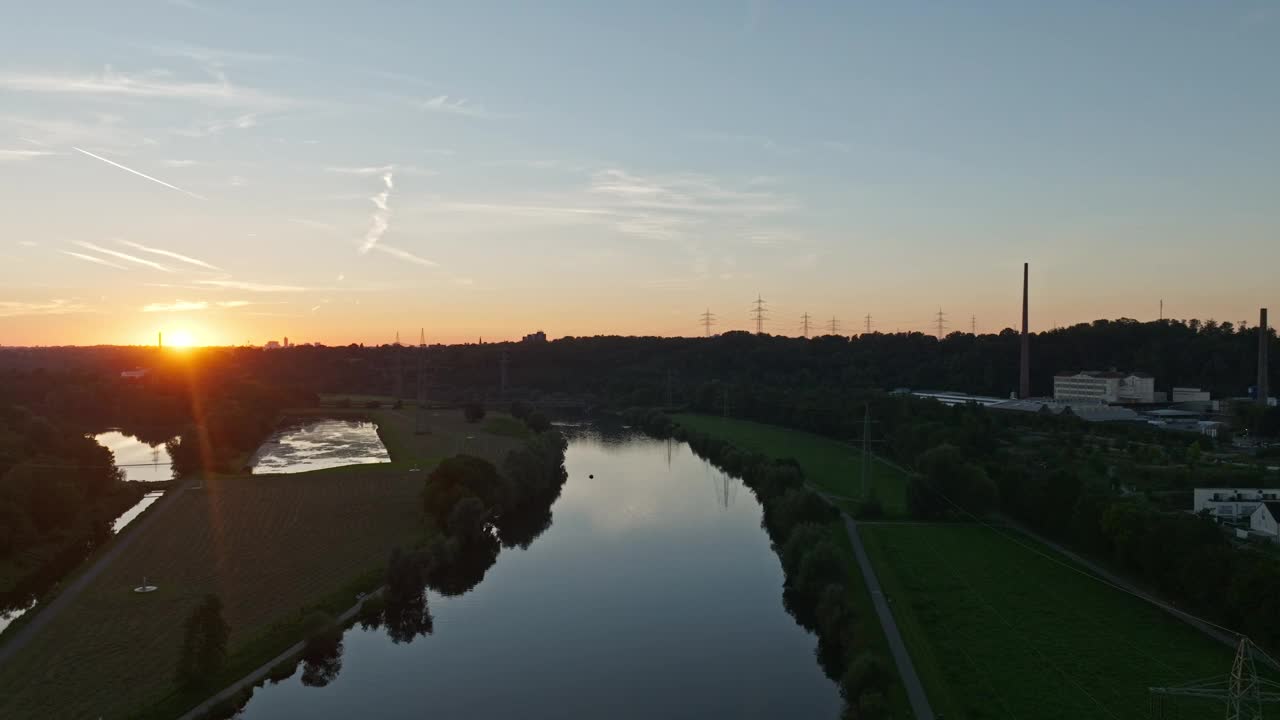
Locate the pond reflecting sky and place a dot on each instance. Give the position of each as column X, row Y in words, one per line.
column 320, row 444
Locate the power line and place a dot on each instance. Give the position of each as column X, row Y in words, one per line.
column 761, row 314
column 804, row 325
column 941, row 323
column 973, row 324
column 833, row 326
column 708, row 320
column 868, row 319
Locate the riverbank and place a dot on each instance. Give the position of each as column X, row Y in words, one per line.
column 271, row 546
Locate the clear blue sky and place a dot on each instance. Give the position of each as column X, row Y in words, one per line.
column 338, row 171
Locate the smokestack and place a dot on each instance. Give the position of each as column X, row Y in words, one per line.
column 1024, row 376
column 160, row 340
column 1263, row 391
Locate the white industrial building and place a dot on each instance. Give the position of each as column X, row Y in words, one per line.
column 1263, row 520
column 1103, row 387
column 1186, row 394
column 1234, row 504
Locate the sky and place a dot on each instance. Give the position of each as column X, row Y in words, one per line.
column 236, row 172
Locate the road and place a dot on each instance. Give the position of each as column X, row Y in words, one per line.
column 920, row 707
column 44, row 614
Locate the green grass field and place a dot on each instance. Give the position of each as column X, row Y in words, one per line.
column 833, row 466
column 268, row 545
column 997, row 630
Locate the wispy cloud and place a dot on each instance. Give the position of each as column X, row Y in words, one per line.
column 176, row 306
column 233, row 303
column 251, row 286
column 456, row 106
column 13, row 308
column 156, row 84
column 405, row 255
column 122, row 256
column 215, row 57
column 92, row 259
column 240, row 122
column 380, row 170
column 381, row 218
column 23, row 154
column 314, row 224
column 179, row 163
column 139, row 174
column 170, row 254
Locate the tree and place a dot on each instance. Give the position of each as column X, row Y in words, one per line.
column 204, row 643
column 538, row 422
column 473, row 411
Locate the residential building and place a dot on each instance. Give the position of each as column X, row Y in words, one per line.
column 1233, row 504
column 271, row 345
column 1263, row 520
column 535, row 337
column 1103, row 387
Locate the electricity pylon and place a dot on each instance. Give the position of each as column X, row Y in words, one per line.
column 1242, row 690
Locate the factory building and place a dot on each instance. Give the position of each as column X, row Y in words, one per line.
column 1082, row 386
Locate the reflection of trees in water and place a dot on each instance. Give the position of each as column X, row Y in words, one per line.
column 322, row 658
column 520, row 526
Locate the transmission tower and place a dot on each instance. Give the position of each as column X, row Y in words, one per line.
column 833, row 326
column 973, row 324
column 868, row 319
column 760, row 311
column 804, row 325
column 420, row 419
column 708, row 320
column 942, row 324
column 398, row 385
column 1242, row 690
column 867, row 422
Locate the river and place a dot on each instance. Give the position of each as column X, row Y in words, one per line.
column 653, row 594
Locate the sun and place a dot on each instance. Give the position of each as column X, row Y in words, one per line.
column 179, row 339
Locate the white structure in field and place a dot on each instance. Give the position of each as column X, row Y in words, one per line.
column 1263, row 520
column 1104, row 387
column 1232, row 503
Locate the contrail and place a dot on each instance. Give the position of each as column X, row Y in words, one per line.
column 92, row 259
column 169, row 253
column 135, row 172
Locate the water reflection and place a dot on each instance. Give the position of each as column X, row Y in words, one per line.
column 141, row 461
column 648, row 596
column 320, row 444
column 132, row 513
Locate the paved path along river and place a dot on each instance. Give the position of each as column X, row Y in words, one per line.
column 46, row 613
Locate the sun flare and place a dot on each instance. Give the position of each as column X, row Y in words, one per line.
column 179, row 339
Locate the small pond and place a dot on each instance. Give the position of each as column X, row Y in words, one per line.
column 140, row 461
column 320, row 444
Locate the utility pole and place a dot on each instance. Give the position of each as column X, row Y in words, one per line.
column 868, row 319
column 941, row 323
column 420, row 420
column 973, row 324
column 866, row 452
column 833, row 327
column 707, row 321
column 804, row 325
column 760, row 311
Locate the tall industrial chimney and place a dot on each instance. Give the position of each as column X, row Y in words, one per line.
column 1024, row 376
column 1263, row 391
column 160, row 340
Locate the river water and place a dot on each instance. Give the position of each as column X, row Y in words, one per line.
column 140, row 461
column 653, row 594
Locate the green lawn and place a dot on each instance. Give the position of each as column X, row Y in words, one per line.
column 834, row 466
column 997, row 630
